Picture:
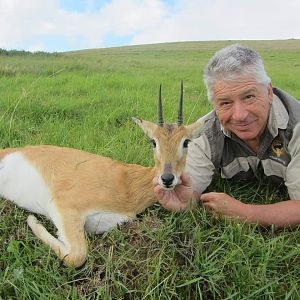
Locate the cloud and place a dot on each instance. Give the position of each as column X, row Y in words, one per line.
column 33, row 21
column 226, row 20
column 49, row 25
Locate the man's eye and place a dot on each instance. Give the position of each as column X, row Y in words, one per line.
column 249, row 97
column 153, row 143
column 224, row 104
column 186, row 143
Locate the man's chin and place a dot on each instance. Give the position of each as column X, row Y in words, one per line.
column 252, row 140
column 246, row 134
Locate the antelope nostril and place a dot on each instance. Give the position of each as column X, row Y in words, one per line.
column 167, row 179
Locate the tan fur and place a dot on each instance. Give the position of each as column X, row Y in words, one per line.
column 82, row 182
column 170, row 153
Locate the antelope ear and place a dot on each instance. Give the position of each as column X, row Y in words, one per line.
column 195, row 129
column 148, row 127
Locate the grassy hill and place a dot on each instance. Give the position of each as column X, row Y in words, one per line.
column 85, row 99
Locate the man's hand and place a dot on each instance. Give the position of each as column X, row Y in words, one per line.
column 177, row 199
column 224, row 204
column 281, row 214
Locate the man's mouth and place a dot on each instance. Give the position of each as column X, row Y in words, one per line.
column 242, row 126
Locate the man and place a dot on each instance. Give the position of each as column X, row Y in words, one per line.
column 253, row 127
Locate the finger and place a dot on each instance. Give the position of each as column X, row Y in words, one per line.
column 186, row 180
column 209, row 205
column 159, row 191
column 205, row 198
column 210, row 196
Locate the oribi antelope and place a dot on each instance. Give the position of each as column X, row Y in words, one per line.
column 80, row 191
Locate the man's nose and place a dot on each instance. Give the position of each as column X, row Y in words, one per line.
column 239, row 111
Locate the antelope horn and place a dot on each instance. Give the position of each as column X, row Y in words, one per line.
column 160, row 112
column 180, row 118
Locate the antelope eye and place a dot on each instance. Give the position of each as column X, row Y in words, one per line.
column 186, row 143
column 153, row 143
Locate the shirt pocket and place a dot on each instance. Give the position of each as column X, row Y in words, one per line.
column 239, row 164
column 272, row 168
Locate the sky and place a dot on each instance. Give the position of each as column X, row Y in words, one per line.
column 66, row 25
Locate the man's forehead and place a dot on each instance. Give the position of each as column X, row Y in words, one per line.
column 226, row 88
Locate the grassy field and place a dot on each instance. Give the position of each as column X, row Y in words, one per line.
column 85, row 99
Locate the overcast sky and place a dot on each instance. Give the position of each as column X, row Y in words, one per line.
column 63, row 25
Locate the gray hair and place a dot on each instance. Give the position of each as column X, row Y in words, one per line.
column 232, row 62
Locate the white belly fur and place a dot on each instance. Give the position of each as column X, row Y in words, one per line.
column 99, row 222
column 21, row 183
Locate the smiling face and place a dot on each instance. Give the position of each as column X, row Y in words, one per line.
column 243, row 107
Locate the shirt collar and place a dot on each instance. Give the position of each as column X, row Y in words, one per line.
column 278, row 118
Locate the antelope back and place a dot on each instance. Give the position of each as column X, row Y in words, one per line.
column 170, row 144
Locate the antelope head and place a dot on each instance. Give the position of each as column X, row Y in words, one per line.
column 170, row 144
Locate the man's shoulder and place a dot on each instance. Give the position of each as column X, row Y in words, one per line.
column 210, row 120
column 212, row 137
column 283, row 94
column 291, row 104
column 212, row 127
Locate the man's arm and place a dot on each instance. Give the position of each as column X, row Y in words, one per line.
column 281, row 214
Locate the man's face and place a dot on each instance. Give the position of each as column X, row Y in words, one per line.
column 242, row 107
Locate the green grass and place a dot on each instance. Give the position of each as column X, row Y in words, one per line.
column 85, row 100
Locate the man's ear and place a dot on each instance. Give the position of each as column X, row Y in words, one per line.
column 148, row 127
column 270, row 93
